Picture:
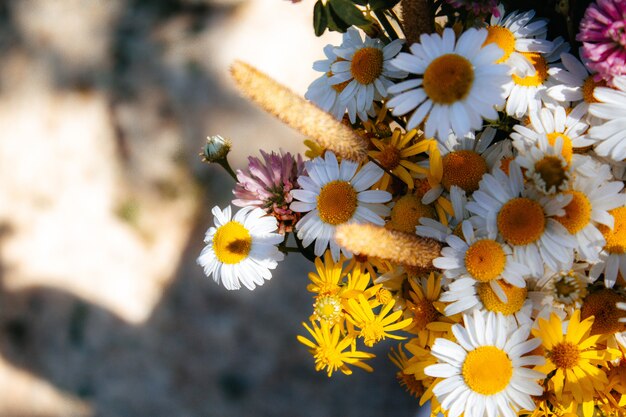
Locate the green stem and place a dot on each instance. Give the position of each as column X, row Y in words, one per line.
column 391, row 32
column 224, row 163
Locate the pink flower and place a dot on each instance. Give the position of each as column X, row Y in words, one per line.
column 266, row 184
column 603, row 33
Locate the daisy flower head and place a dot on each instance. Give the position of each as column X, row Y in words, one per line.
column 517, row 33
column 565, row 289
column 603, row 34
column 362, row 72
column 546, row 168
column 467, row 159
column 241, row 249
column 611, row 135
column 485, row 372
column 613, row 255
column 592, row 200
column 267, row 185
column 328, row 347
column 528, row 92
column 525, row 221
column 334, row 194
column 573, row 356
column 393, row 155
column 460, row 83
column 574, row 84
column 551, row 124
column 321, row 91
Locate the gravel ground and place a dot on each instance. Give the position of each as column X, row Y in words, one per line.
column 103, row 311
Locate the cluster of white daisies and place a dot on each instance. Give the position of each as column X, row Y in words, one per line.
column 511, row 152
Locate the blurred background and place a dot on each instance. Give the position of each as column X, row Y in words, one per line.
column 104, row 106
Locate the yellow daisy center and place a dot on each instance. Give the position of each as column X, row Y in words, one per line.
column 515, row 298
column 616, row 237
column 424, row 312
column 464, row 169
column 577, row 212
column 448, row 79
column 551, row 170
column 521, row 221
column 406, row 213
column 564, row 355
column 487, row 370
column 502, row 37
column 541, row 71
column 567, row 150
column 328, row 356
column 389, row 157
column 589, row 86
column 232, row 243
column 485, row 260
column 337, row 202
column 367, row 65
column 601, row 305
column 372, row 332
column 328, row 308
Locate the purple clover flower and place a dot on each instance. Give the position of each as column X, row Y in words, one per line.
column 266, row 184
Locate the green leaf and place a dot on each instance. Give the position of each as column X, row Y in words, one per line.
column 333, row 21
column 320, row 22
column 383, row 4
column 361, row 2
column 348, row 12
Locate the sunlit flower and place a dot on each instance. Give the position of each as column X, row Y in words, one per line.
column 529, row 93
column 525, row 221
column 393, row 155
column 334, row 194
column 485, row 372
column 241, row 250
column 518, row 33
column 329, row 349
column 459, row 86
column 603, row 34
column 321, row 92
column 375, row 327
column 572, row 356
column 267, row 185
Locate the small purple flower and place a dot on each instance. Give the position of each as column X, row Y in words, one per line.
column 266, row 184
column 603, row 33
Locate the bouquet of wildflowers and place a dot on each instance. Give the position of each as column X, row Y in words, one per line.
column 462, row 193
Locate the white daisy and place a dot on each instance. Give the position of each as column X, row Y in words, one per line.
column 546, row 167
column 241, row 250
column 565, row 289
column 613, row 255
column 517, row 33
column 574, row 84
column 592, row 198
column 481, row 258
column 321, row 92
column 554, row 123
column 529, row 93
column 363, row 72
column 611, row 134
column 525, row 221
column 334, row 194
column 459, row 86
column 485, row 374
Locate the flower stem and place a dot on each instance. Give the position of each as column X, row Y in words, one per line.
column 391, row 32
column 224, row 164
